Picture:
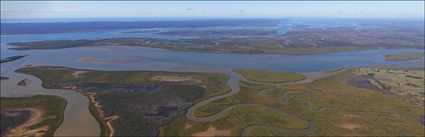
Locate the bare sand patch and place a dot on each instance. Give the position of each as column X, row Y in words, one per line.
column 352, row 116
column 23, row 129
column 212, row 131
column 109, row 125
column 348, row 121
column 77, row 73
column 99, row 111
column 350, row 126
column 187, row 126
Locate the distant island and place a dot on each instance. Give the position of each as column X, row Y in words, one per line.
column 12, row 58
column 264, row 37
column 404, row 56
column 4, row 78
column 66, row 27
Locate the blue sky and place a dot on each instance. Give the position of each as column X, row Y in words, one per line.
column 234, row 9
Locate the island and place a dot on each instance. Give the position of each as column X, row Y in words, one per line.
column 227, row 33
column 24, row 82
column 67, row 27
column 404, row 56
column 4, row 78
column 298, row 39
column 12, row 58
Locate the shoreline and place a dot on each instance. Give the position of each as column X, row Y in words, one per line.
column 44, row 118
column 95, row 110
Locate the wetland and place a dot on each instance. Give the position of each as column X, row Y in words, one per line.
column 284, row 77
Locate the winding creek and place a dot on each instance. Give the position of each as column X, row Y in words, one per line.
column 310, row 77
column 78, row 120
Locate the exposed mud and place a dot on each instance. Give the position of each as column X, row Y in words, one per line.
column 100, row 112
column 212, row 132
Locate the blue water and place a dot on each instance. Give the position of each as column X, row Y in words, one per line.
column 158, row 59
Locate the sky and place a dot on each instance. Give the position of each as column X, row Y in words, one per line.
column 211, row 9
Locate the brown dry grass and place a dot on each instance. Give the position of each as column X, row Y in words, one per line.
column 350, row 126
column 211, row 132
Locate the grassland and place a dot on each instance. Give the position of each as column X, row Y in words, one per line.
column 211, row 45
column 331, row 106
column 247, row 95
column 51, row 108
column 253, row 33
column 269, row 76
column 141, row 101
column 405, row 82
column 215, row 83
column 404, row 56
column 335, row 107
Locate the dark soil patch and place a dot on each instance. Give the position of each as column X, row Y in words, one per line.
column 13, row 118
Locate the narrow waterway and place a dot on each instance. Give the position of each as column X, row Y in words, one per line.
column 77, row 119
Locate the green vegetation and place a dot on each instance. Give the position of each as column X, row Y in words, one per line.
column 142, row 101
column 24, row 82
column 248, row 94
column 235, row 121
column 214, row 45
column 104, row 130
column 335, row 107
column 54, row 77
column 300, row 39
column 51, row 107
column 212, row 32
column 404, row 56
column 269, row 76
column 405, row 82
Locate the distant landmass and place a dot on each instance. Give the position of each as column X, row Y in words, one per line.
column 296, row 38
column 66, row 27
